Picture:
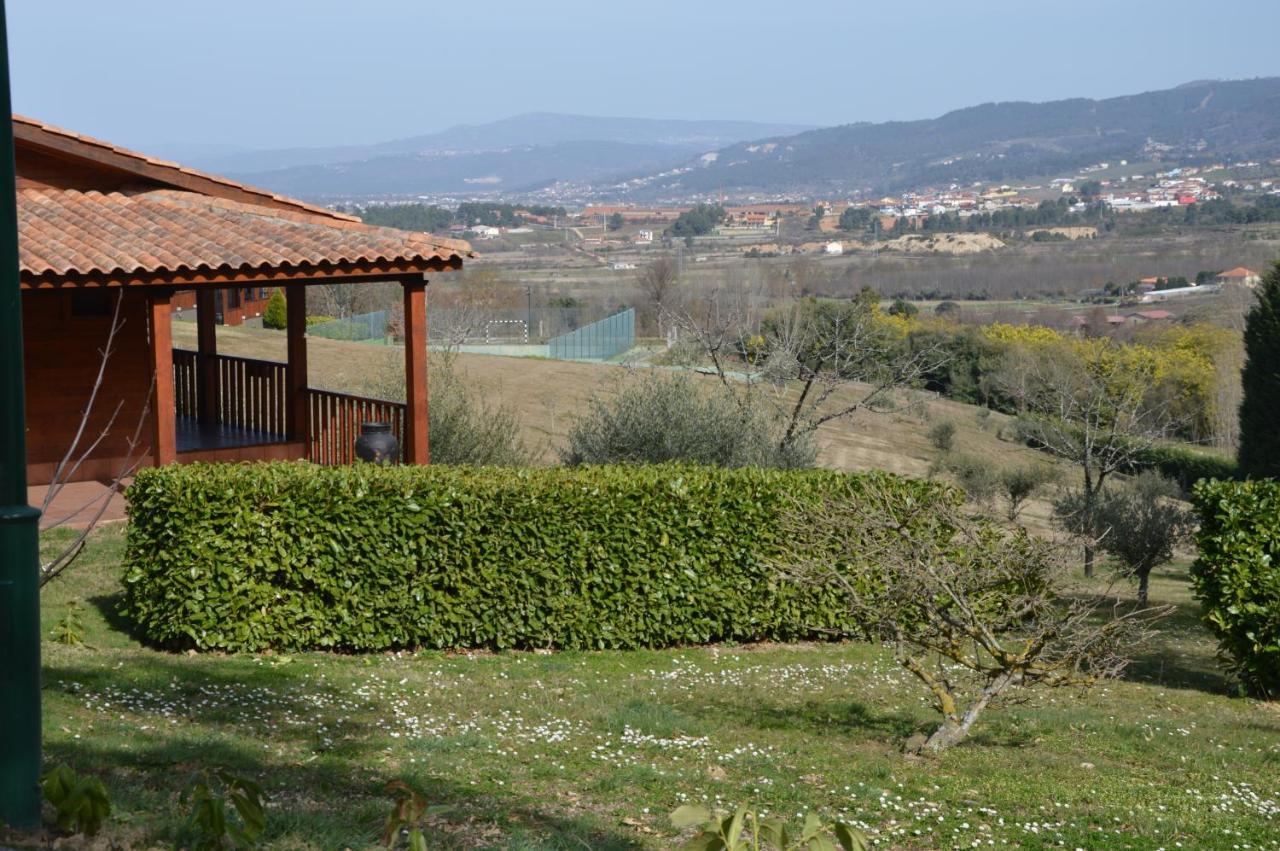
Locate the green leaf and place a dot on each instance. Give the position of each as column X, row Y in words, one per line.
column 690, row 815
column 849, row 838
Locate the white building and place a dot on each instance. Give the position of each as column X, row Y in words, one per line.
column 834, row 248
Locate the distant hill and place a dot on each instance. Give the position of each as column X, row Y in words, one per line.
column 510, row 147
column 997, row 141
column 467, row 173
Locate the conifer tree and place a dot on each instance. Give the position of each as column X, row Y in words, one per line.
column 276, row 315
column 1260, row 411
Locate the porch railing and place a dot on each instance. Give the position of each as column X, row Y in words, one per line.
column 253, row 394
column 186, row 387
column 335, row 420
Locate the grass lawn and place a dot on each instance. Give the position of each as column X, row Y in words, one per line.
column 592, row 750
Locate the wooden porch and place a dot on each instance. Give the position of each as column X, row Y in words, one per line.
column 111, row 240
column 228, row 408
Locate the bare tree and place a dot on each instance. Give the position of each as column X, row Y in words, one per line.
column 470, row 306
column 82, row 447
column 974, row 612
column 815, row 361
column 1099, row 418
column 658, row 282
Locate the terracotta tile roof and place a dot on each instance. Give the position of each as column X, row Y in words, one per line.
column 37, row 133
column 1238, row 272
column 68, row 232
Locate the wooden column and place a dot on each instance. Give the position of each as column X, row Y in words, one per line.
column 298, row 421
column 163, row 411
column 207, row 359
column 416, row 449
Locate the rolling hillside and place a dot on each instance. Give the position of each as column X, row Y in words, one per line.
column 505, row 155
column 1202, row 121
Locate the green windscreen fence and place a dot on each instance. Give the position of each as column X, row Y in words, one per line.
column 597, row 341
column 365, row 326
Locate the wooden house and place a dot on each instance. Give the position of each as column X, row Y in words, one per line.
column 106, row 232
column 231, row 305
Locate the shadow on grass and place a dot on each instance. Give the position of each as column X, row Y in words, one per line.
column 322, row 804
column 1181, row 653
column 823, row 717
column 236, row 713
column 108, row 606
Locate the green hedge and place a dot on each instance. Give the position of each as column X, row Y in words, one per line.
column 1187, row 466
column 292, row 556
column 1237, row 576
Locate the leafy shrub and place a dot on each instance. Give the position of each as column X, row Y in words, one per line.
column 318, row 320
column 80, row 804
column 658, row 418
column 277, row 314
column 976, row 476
column 211, row 826
column 747, row 830
column 942, row 435
column 290, row 555
column 69, row 629
column 1018, row 484
column 465, row 429
column 1237, row 576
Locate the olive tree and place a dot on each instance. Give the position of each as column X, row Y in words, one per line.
column 1140, row 523
column 654, row 417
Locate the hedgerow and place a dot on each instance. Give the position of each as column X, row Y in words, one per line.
column 292, row 556
column 1186, row 466
column 1237, row 576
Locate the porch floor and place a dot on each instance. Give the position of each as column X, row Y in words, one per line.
column 192, row 435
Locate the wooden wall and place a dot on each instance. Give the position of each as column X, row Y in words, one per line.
column 43, row 170
column 62, row 336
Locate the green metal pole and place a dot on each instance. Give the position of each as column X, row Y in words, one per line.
column 19, row 522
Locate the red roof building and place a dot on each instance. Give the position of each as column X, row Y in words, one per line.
column 107, row 234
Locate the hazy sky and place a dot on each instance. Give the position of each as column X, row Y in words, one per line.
column 275, row 73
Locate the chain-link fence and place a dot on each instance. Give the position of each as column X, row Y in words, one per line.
column 568, row 336
column 363, row 327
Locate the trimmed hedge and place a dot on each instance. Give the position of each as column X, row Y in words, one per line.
column 1237, row 576
column 1187, row 466
column 294, row 556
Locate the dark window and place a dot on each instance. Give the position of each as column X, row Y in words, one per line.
column 90, row 303
column 233, row 297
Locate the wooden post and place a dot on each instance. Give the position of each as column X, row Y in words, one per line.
column 207, row 359
column 163, row 411
column 298, row 424
column 416, row 450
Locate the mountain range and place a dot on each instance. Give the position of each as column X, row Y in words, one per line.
column 507, row 155
column 1200, row 121
column 646, row 160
